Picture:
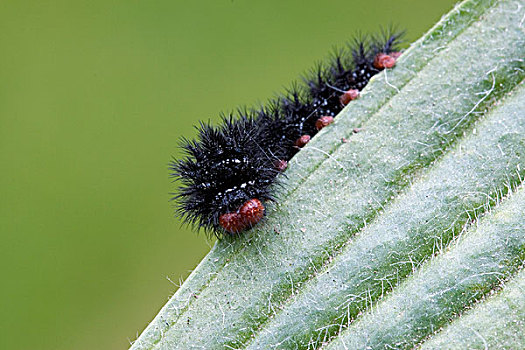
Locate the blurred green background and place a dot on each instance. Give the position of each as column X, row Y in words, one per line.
column 94, row 96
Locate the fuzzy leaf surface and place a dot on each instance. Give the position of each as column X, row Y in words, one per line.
column 363, row 227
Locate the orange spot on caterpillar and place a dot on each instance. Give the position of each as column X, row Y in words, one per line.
column 302, row 141
column 323, row 121
column 232, row 222
column 250, row 213
column 382, row 61
column 281, row 164
column 348, row 96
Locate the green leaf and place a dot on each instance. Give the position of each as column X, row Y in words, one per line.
column 497, row 323
column 377, row 241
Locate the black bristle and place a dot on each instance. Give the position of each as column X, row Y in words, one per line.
column 236, row 161
column 224, row 168
column 387, row 41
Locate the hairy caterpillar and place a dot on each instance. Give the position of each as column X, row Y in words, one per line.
column 228, row 171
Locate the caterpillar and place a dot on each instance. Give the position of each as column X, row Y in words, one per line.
column 229, row 171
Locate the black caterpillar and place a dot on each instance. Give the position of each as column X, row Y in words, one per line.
column 229, row 170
